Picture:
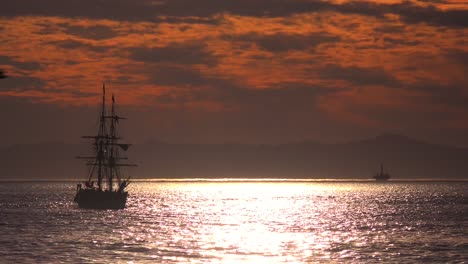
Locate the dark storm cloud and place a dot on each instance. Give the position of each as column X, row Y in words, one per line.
column 29, row 66
column 408, row 12
column 458, row 56
column 110, row 9
column 21, row 83
column 231, row 93
column 73, row 93
column 74, row 44
column 71, row 62
column 359, row 75
column 390, row 29
column 149, row 11
column 201, row 86
column 392, row 41
column 92, row 32
column 213, row 20
column 176, row 75
column 185, row 53
column 28, row 84
column 434, row 1
column 192, row 85
column 282, row 42
column 431, row 15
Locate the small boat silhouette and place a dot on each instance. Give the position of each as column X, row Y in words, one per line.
column 381, row 176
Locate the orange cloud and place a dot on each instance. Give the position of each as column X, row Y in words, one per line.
column 353, row 59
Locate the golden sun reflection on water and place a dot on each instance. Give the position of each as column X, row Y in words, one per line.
column 239, row 222
column 252, row 221
column 284, row 222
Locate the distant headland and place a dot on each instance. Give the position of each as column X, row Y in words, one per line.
column 404, row 158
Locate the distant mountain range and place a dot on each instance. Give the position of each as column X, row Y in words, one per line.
column 402, row 157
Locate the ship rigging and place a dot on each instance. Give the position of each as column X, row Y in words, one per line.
column 105, row 164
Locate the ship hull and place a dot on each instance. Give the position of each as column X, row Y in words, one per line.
column 382, row 178
column 97, row 199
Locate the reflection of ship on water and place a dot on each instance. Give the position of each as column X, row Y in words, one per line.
column 110, row 191
column 381, row 176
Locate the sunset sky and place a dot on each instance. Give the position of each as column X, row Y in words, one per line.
column 253, row 71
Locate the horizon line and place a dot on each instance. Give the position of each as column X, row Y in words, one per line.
column 253, row 180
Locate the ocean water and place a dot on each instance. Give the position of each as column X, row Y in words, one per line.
column 239, row 222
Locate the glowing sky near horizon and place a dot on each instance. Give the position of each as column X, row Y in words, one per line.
column 244, row 71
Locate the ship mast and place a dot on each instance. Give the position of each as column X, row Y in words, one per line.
column 100, row 146
column 113, row 151
column 106, row 147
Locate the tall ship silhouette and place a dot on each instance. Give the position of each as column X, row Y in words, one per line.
column 381, row 176
column 105, row 186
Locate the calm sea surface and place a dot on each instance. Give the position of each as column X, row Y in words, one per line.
column 239, row 222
